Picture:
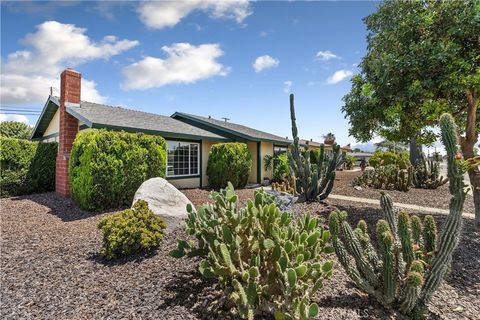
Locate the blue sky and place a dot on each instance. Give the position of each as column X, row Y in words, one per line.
column 197, row 57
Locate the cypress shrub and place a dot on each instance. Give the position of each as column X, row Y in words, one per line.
column 229, row 162
column 107, row 167
column 26, row 167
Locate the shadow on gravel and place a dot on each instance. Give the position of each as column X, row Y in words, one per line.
column 196, row 293
column 63, row 208
column 360, row 305
column 135, row 258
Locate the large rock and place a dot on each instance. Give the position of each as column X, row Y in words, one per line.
column 164, row 200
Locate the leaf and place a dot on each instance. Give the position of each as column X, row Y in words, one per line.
column 268, row 244
column 291, row 277
column 313, row 310
column 176, row 253
column 327, row 266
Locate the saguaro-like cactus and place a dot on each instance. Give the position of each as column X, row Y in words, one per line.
column 395, row 274
column 426, row 174
column 264, row 259
column 314, row 181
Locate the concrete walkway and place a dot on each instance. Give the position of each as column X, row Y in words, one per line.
column 399, row 205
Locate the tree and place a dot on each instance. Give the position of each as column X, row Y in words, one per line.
column 391, row 146
column 15, row 129
column 329, row 138
column 423, row 59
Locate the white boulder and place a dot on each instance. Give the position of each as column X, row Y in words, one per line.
column 164, row 200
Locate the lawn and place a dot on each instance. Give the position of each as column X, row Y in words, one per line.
column 51, row 269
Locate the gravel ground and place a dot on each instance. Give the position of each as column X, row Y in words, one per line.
column 438, row 198
column 51, row 270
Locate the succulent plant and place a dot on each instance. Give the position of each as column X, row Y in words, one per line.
column 313, row 181
column 426, row 174
column 264, row 260
column 389, row 177
column 411, row 260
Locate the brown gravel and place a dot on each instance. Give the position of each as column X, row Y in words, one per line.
column 51, row 270
column 438, row 198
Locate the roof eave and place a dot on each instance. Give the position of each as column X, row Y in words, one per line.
column 47, row 103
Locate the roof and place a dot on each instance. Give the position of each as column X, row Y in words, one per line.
column 49, row 110
column 230, row 129
column 98, row 116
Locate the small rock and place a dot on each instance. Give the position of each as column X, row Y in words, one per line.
column 458, row 309
column 358, row 188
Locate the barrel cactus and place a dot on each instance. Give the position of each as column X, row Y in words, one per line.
column 426, row 174
column 265, row 261
column 411, row 260
column 313, row 181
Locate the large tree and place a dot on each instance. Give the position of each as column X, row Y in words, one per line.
column 15, row 129
column 423, row 59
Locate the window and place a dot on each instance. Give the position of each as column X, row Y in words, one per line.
column 182, row 159
column 278, row 150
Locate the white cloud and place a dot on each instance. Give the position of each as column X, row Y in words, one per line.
column 185, row 63
column 326, row 55
column 165, row 14
column 338, row 76
column 265, row 62
column 27, row 75
column 13, row 117
column 287, row 86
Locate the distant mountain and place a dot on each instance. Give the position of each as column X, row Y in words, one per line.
column 366, row 147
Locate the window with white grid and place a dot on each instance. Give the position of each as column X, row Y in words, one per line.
column 182, row 159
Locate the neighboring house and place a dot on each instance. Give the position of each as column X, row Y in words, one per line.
column 328, row 147
column 359, row 156
column 189, row 137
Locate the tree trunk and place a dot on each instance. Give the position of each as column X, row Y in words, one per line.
column 415, row 150
column 467, row 144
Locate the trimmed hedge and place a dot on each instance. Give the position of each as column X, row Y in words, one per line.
column 385, row 158
column 229, row 162
column 26, row 167
column 107, row 167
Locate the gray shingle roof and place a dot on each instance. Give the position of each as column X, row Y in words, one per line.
column 99, row 115
column 234, row 128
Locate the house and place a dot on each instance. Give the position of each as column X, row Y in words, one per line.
column 360, row 156
column 313, row 145
column 189, row 137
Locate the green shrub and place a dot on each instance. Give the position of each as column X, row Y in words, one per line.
column 26, row 167
column 265, row 260
column 229, row 162
column 107, row 167
column 385, row 158
column 350, row 162
column 131, row 231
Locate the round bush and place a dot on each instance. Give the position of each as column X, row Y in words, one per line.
column 107, row 167
column 131, row 231
column 229, row 162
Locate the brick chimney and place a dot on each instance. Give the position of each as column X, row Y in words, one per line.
column 68, row 128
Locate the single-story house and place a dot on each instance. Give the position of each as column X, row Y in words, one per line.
column 189, row 137
column 360, row 156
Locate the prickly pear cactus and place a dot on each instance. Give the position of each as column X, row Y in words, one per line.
column 266, row 261
column 426, row 174
column 313, row 181
column 411, row 260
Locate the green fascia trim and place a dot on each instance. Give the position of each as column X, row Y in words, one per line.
column 259, row 162
column 51, row 106
column 228, row 131
column 210, row 125
column 166, row 135
column 185, row 177
column 201, row 157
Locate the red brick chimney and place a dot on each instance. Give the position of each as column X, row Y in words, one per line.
column 68, row 128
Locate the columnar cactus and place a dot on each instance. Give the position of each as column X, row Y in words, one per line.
column 426, row 174
column 265, row 261
column 396, row 275
column 389, row 177
column 313, row 181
